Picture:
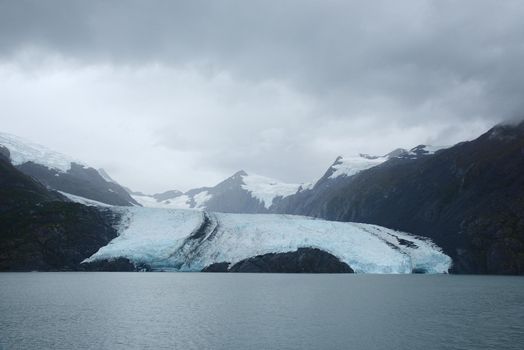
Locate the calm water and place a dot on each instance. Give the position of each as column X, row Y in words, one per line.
column 259, row 311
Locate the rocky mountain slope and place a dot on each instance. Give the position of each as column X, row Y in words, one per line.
column 309, row 201
column 41, row 230
column 63, row 173
column 469, row 199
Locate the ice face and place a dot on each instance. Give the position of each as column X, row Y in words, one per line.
column 149, row 235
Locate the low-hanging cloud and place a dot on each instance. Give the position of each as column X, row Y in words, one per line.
column 179, row 94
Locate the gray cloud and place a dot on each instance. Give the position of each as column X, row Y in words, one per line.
column 279, row 88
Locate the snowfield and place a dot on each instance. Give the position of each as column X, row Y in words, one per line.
column 180, row 202
column 23, row 151
column 83, row 200
column 349, row 166
column 189, row 240
column 266, row 189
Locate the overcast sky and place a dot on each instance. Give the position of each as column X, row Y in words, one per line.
column 180, row 94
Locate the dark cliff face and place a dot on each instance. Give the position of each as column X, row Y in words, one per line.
column 55, row 236
column 469, row 199
column 39, row 230
column 80, row 181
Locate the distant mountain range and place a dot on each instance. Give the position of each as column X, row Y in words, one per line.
column 467, row 198
column 240, row 193
column 251, row 193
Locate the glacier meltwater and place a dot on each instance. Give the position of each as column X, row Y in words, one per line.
column 189, row 240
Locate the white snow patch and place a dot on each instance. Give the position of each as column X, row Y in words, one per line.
column 84, row 201
column 306, row 186
column 349, row 166
column 266, row 189
column 105, row 175
column 201, row 199
column 180, row 202
column 23, row 151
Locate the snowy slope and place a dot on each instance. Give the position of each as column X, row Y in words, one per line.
column 84, row 201
column 106, row 176
column 23, row 151
column 191, row 240
column 349, row 166
column 179, row 202
column 201, row 199
column 267, row 189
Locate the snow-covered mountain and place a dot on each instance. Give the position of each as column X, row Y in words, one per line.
column 349, row 166
column 189, row 240
column 422, row 151
column 251, row 193
column 310, row 200
column 63, row 173
column 240, row 193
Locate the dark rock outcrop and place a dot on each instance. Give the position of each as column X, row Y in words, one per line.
column 114, row 265
column 167, row 195
column 217, row 267
column 303, row 260
column 80, row 181
column 4, row 153
column 54, row 236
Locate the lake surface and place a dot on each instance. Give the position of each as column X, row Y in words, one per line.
column 259, row 311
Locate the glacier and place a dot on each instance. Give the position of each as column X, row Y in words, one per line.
column 189, row 240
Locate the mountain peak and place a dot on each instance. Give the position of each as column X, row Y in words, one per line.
column 239, row 173
column 398, row 152
column 506, row 131
column 425, row 150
